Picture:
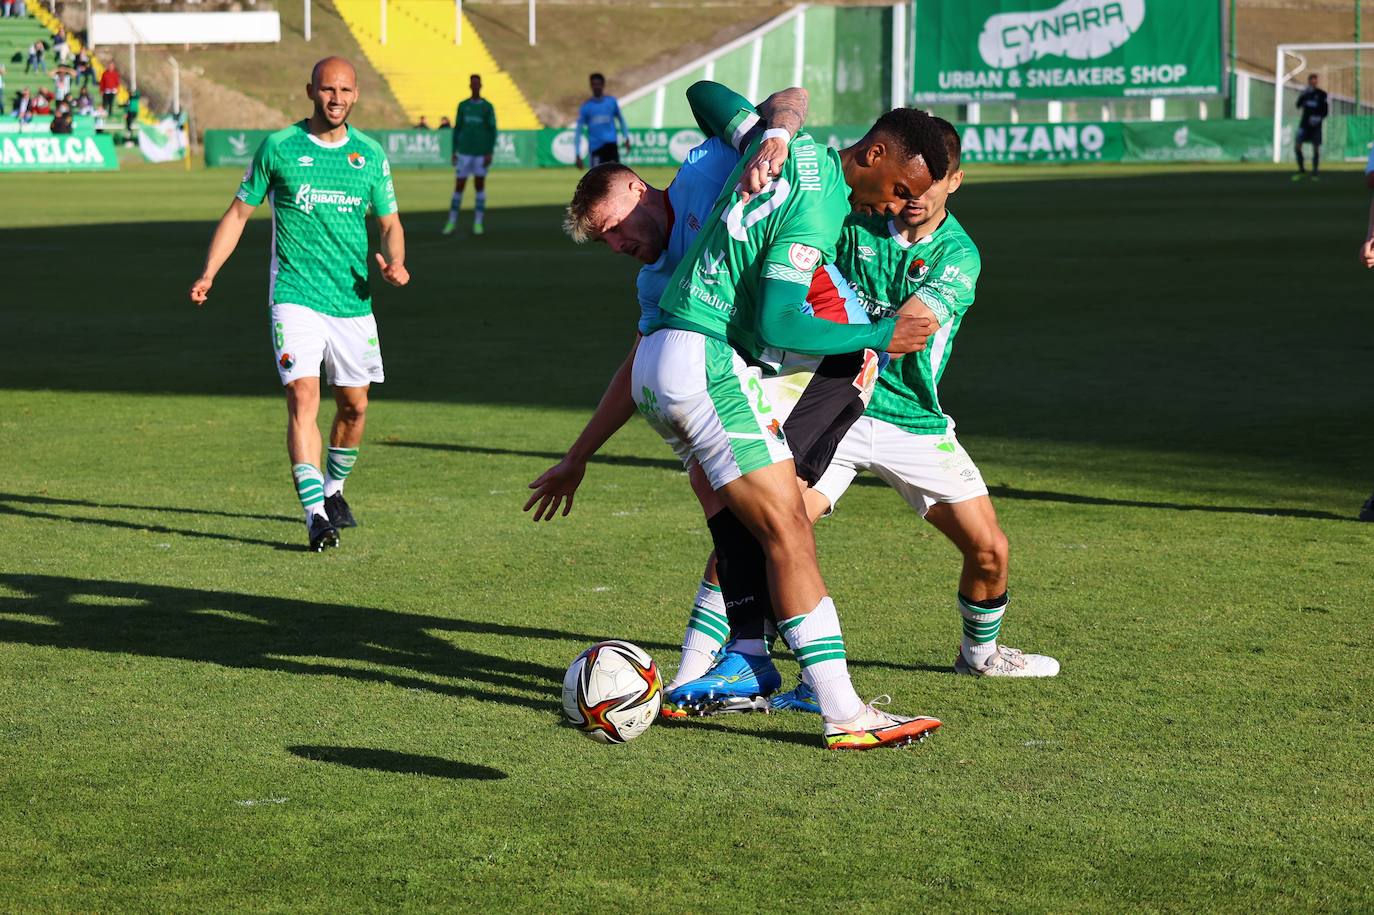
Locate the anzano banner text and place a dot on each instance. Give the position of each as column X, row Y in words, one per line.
column 1005, row 50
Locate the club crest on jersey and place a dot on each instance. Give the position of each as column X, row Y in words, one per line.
column 803, row 257
column 356, row 160
column 918, row 269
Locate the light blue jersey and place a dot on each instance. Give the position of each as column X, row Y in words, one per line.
column 691, row 197
column 599, row 116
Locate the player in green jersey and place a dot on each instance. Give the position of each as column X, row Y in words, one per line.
column 322, row 177
column 474, row 140
column 921, row 259
column 737, row 296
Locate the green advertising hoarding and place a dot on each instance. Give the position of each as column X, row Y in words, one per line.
column 666, row 146
column 1088, row 141
column 56, row 153
column 1008, row 50
column 404, row 148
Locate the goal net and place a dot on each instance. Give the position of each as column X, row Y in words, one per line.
column 1346, row 73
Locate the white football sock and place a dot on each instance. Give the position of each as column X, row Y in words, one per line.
column 816, row 640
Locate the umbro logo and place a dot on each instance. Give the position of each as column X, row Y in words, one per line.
column 867, row 253
column 305, row 161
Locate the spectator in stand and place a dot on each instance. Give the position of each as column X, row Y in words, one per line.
column 84, row 104
column 2, row 85
column 42, row 103
column 7, row 8
column 444, row 122
column 84, row 72
column 423, row 125
column 131, row 114
column 36, row 59
column 23, row 106
column 62, row 49
column 62, row 82
column 62, row 121
column 109, row 87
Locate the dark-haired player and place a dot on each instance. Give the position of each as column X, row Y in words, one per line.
column 1313, row 109
column 814, row 399
column 732, row 305
column 921, row 260
column 599, row 117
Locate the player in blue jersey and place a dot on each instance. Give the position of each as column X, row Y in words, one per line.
column 599, row 117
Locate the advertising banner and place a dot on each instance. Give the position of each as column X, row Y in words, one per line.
column 83, row 125
column 1005, row 50
column 1080, row 142
column 56, row 153
column 404, row 148
column 1199, row 141
column 667, row 146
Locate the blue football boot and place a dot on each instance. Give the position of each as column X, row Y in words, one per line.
column 735, row 683
column 799, row 699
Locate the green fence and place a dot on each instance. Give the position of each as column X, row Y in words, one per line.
column 1088, row 141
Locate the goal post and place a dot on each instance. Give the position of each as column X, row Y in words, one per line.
column 1338, row 64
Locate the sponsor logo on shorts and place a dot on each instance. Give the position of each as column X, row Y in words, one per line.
column 356, row 160
column 286, row 361
column 371, row 341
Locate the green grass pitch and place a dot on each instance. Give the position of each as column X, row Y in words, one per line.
column 1165, row 380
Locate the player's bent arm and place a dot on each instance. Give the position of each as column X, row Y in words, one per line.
column 783, row 324
column 222, row 244
column 786, row 109
column 560, row 482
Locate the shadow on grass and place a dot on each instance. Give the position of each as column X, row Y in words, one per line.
column 1003, row 491
column 365, row 644
column 392, row 761
column 171, row 509
column 9, row 505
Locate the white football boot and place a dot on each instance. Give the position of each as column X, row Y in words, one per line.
column 1009, row 662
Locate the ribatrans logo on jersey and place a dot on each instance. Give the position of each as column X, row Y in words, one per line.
column 1076, row 29
column 307, row 198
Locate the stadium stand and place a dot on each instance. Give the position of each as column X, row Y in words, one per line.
column 426, row 71
column 17, row 35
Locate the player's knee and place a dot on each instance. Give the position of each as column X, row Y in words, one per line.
column 785, row 532
column 991, row 551
column 353, row 410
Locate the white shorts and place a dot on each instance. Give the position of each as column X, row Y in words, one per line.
column 468, row 166
column 349, row 347
column 925, row 469
column 708, row 404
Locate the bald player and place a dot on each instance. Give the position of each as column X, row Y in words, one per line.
column 321, row 177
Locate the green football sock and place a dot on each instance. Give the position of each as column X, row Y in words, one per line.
column 309, row 488
column 337, row 468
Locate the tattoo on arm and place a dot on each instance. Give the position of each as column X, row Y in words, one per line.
column 785, row 108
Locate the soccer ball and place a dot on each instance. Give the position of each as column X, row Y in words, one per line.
column 612, row 692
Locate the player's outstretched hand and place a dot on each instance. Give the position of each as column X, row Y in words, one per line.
column 395, row 274
column 763, row 166
column 1367, row 253
column 911, row 334
column 556, row 485
column 200, row 290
